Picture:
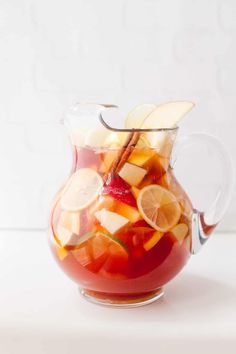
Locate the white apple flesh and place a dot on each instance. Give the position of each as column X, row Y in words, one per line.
column 111, row 221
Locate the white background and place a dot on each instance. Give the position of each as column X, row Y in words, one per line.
column 124, row 52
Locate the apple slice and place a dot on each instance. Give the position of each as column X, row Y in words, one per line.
column 153, row 240
column 136, row 117
column 68, row 228
column 111, row 221
column 167, row 115
column 132, row 214
column 115, row 140
column 132, row 174
column 83, row 256
column 103, row 202
column 82, row 190
column 140, row 157
column 65, row 236
column 180, row 231
column 161, row 141
column 70, row 221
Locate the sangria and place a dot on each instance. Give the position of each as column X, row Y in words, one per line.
column 121, row 226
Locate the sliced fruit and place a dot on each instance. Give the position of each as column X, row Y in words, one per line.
column 83, row 188
column 86, row 222
column 96, row 137
column 109, row 157
column 161, row 141
column 98, row 247
column 70, row 221
column 94, row 253
column 167, row 115
column 102, row 251
column 103, row 202
column 82, row 255
column 180, row 231
column 136, row 117
column 111, row 221
column 153, row 240
column 115, row 140
column 187, row 243
column 158, row 207
column 135, row 191
column 85, row 237
column 132, row 214
column 143, row 142
column 140, row 156
column 119, row 189
column 61, row 252
column 65, row 236
column 115, row 254
column 169, row 181
column 114, row 241
column 164, row 162
column 132, row 174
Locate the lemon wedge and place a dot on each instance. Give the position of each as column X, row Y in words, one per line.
column 83, row 188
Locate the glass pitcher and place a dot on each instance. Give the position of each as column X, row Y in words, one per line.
column 122, row 226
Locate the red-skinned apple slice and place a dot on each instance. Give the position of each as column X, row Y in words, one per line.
column 119, row 189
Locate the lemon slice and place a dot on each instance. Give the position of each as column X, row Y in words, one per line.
column 137, row 116
column 83, row 188
column 159, row 207
column 167, row 115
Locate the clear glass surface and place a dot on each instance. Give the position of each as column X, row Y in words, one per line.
column 122, row 226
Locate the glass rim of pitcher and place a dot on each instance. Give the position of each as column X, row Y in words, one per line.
column 123, row 130
column 134, row 130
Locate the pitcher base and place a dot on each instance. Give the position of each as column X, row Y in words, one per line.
column 122, row 300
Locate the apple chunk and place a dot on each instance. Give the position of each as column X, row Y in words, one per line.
column 132, row 214
column 180, row 231
column 111, row 221
column 68, row 228
column 70, row 221
column 140, row 157
column 161, row 141
column 132, row 174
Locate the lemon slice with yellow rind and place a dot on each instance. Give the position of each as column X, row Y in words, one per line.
column 159, row 207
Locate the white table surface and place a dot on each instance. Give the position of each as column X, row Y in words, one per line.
column 41, row 310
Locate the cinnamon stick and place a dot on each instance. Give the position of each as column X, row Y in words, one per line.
column 134, row 136
column 123, row 153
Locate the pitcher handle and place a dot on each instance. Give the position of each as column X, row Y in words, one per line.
column 204, row 222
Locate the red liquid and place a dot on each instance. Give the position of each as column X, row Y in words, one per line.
column 123, row 266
